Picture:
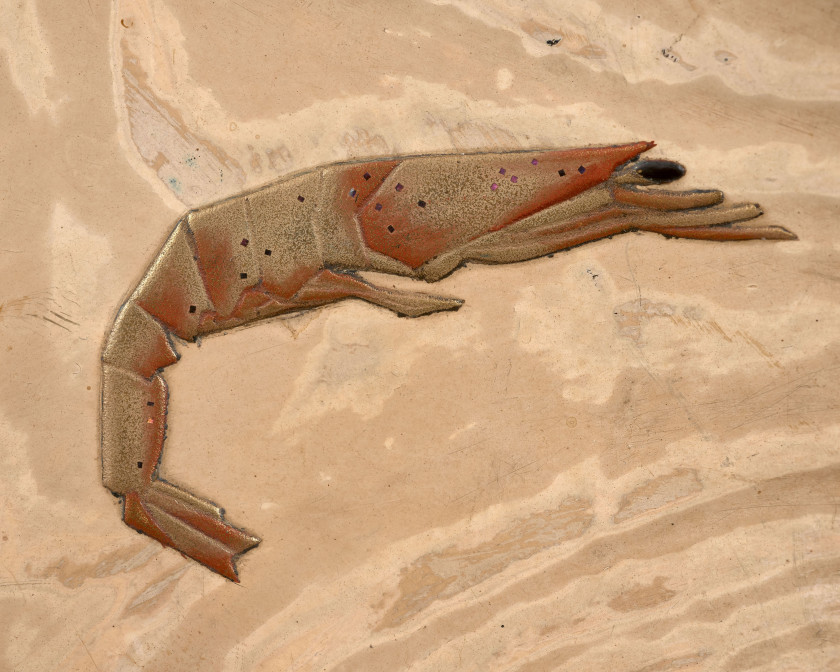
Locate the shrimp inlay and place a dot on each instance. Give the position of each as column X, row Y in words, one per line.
column 301, row 242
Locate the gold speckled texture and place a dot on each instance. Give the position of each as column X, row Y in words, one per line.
column 283, row 223
column 225, row 252
column 133, row 426
column 626, row 454
column 138, row 343
column 173, row 291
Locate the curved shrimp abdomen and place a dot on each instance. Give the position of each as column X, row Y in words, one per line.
column 172, row 299
column 169, row 300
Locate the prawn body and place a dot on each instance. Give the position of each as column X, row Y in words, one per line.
column 300, row 242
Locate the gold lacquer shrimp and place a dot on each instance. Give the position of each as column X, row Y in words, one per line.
column 301, row 241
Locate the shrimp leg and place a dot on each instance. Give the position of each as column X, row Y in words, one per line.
column 329, row 286
column 521, row 246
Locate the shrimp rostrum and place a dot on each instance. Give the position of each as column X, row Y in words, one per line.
column 301, row 242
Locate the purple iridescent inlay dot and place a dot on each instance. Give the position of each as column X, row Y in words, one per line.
column 514, row 179
column 399, row 187
column 534, row 162
column 494, row 186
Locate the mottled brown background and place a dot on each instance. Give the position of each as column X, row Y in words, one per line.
column 621, row 458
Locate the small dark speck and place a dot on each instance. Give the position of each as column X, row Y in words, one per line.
column 150, row 403
column 422, row 204
column 301, row 199
column 366, row 176
column 391, row 228
column 192, row 309
column 244, row 242
column 268, row 253
column 243, row 276
column 378, row 207
column 503, row 625
column 139, row 465
column 399, row 187
column 561, row 173
column 551, row 43
column 581, row 170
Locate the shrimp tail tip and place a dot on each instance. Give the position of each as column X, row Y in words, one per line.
column 188, row 524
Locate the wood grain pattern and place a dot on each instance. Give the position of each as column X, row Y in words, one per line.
column 626, row 455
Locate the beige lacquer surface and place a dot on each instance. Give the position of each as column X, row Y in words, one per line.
column 622, row 457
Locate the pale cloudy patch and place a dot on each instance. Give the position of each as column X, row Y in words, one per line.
column 28, row 55
column 504, row 79
column 362, row 359
column 570, row 323
column 641, row 50
column 588, row 331
column 78, row 259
